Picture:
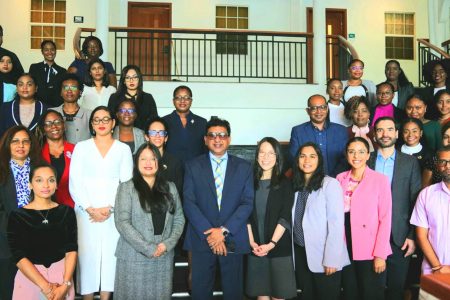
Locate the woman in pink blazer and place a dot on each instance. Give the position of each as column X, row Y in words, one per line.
column 368, row 210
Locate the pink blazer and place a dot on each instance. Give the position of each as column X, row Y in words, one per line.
column 370, row 215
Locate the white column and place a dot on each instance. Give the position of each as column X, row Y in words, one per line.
column 102, row 15
column 319, row 26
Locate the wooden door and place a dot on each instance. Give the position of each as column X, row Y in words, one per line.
column 151, row 52
column 336, row 22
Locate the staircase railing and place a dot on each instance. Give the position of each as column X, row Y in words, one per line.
column 446, row 46
column 339, row 53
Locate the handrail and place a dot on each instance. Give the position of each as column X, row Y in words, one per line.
column 446, row 45
column 434, row 48
column 348, row 45
column 77, row 38
column 210, row 31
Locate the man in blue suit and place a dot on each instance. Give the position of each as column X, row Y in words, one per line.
column 330, row 137
column 218, row 200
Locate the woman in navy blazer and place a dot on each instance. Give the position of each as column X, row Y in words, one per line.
column 270, row 268
column 318, row 227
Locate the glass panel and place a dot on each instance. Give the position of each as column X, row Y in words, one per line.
column 408, row 42
column 389, row 29
column 398, row 53
column 60, row 44
column 398, row 19
column 243, row 12
column 60, row 5
column 398, row 42
column 49, row 5
column 36, row 4
column 60, row 32
column 60, row 17
column 409, row 19
column 389, row 53
column 35, row 43
column 409, row 54
column 36, row 30
column 221, row 23
column 389, row 41
column 36, row 17
column 399, row 29
column 47, row 31
column 220, row 11
column 243, row 23
column 48, row 17
column 231, row 11
column 232, row 23
column 388, row 18
column 409, row 29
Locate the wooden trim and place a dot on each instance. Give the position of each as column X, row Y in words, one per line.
column 348, row 45
column 340, row 10
column 431, row 46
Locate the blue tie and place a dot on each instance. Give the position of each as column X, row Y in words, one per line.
column 218, row 181
column 299, row 237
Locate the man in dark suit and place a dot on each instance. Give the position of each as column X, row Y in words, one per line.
column 404, row 174
column 186, row 129
column 48, row 75
column 330, row 137
column 218, row 200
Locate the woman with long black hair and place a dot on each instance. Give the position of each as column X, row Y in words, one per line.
column 131, row 87
column 149, row 218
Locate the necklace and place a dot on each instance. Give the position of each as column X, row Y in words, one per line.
column 45, row 220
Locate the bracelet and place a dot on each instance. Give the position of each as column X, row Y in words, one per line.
column 437, row 268
column 273, row 242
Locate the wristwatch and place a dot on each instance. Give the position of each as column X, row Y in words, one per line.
column 111, row 210
column 225, row 231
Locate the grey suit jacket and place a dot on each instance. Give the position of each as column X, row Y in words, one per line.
column 406, row 185
column 137, row 241
column 138, row 134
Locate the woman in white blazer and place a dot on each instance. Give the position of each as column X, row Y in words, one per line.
column 98, row 166
column 318, row 227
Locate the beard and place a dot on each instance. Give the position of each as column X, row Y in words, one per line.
column 386, row 145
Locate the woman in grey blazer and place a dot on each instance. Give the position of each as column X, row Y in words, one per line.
column 125, row 131
column 318, row 227
column 149, row 218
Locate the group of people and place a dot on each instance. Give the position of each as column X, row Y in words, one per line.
column 93, row 182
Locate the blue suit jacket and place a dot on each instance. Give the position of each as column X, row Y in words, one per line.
column 337, row 137
column 200, row 202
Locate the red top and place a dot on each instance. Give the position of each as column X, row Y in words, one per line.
column 62, row 193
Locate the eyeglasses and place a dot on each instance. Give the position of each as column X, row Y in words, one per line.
column 319, row 107
column 105, row 120
column 127, row 110
column 70, row 88
column 180, row 98
column 161, row 133
column 353, row 152
column 220, row 135
column 267, row 154
column 17, row 142
column 443, row 162
column 355, row 68
column 384, row 93
column 131, row 78
column 49, row 124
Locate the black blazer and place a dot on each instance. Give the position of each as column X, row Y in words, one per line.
column 8, row 202
column 405, row 187
column 278, row 211
column 49, row 93
column 145, row 106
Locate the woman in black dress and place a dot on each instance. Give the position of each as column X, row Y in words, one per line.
column 42, row 236
column 270, row 273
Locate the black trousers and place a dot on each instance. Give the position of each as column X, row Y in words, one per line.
column 315, row 286
column 396, row 273
column 360, row 282
column 8, row 272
